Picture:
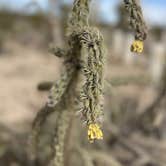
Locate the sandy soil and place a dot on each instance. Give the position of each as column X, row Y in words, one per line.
column 21, row 69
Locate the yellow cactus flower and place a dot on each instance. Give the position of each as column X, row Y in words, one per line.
column 94, row 132
column 137, row 46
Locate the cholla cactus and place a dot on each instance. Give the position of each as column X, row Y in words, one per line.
column 91, row 97
column 83, row 66
column 59, row 137
column 86, row 55
column 137, row 23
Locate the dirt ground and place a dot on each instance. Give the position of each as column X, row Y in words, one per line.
column 22, row 68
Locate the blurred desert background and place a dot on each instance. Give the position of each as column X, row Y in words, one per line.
column 135, row 91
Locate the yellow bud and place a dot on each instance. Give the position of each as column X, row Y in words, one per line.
column 94, row 132
column 137, row 46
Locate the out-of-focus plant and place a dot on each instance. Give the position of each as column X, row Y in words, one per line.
column 137, row 24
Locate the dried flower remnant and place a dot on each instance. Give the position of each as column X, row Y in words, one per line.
column 94, row 132
column 137, row 46
column 137, row 23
